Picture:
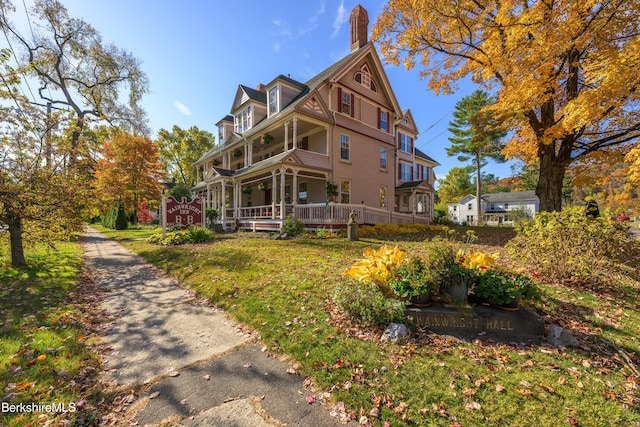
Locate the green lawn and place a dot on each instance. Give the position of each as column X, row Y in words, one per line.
column 44, row 354
column 281, row 289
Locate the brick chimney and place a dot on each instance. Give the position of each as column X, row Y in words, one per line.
column 359, row 21
column 261, row 88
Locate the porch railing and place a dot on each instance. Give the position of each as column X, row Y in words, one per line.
column 328, row 213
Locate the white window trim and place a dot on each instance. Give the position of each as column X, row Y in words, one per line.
column 348, row 147
column 275, row 88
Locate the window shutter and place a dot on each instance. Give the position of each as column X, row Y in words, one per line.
column 379, row 118
column 399, row 171
column 412, row 176
column 339, row 100
column 353, row 104
column 411, row 141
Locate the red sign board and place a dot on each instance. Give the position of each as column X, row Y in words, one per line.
column 183, row 212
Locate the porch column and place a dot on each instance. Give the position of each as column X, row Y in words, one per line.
column 295, row 132
column 273, row 193
column 294, row 187
column 236, row 199
column 283, row 202
column 286, row 135
column 249, row 151
column 223, row 197
column 208, row 202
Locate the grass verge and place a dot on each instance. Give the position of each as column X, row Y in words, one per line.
column 47, row 370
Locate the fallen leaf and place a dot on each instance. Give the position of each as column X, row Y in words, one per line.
column 310, row 399
column 499, row 388
column 207, row 377
column 469, row 392
column 547, row 388
column 572, row 421
column 154, row 395
column 524, row 391
column 42, row 357
column 174, row 373
column 472, row 406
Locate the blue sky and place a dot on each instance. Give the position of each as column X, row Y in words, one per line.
column 196, row 53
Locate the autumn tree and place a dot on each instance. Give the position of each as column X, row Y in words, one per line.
column 180, row 149
column 475, row 136
column 129, row 171
column 76, row 69
column 42, row 198
column 454, row 186
column 565, row 72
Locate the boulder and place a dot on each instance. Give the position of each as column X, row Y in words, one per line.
column 395, row 332
column 560, row 337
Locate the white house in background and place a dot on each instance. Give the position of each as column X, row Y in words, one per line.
column 497, row 208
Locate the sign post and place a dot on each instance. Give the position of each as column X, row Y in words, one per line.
column 163, row 212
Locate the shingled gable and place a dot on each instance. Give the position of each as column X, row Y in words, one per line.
column 245, row 93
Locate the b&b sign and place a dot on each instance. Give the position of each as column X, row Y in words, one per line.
column 183, row 212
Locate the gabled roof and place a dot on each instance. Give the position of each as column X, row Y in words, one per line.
column 288, row 80
column 515, row 196
column 254, row 95
column 421, row 155
column 227, row 118
column 415, row 184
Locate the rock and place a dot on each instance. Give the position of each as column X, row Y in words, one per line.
column 560, row 337
column 280, row 236
column 395, row 332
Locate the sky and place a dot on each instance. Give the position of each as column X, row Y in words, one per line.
column 196, row 53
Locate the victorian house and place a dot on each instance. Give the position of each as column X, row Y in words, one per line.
column 319, row 150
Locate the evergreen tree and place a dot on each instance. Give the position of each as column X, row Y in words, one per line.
column 475, row 136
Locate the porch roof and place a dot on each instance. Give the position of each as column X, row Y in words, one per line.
column 415, row 184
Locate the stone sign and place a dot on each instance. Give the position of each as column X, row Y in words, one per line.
column 183, row 212
column 478, row 319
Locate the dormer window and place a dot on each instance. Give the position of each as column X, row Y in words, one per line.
column 243, row 120
column 273, row 101
column 364, row 78
column 221, row 135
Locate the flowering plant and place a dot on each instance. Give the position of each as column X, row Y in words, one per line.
column 376, row 266
column 413, row 279
column 502, row 287
column 263, row 185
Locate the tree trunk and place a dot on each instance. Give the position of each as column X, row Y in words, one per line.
column 15, row 237
column 479, row 220
column 550, row 180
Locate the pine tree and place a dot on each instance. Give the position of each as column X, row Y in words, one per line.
column 475, row 136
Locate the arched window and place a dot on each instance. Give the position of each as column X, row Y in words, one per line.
column 364, row 78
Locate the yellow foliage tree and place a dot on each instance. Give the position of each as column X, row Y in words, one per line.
column 565, row 72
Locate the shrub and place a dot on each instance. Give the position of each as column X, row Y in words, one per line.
column 570, row 244
column 379, row 230
column 121, row 222
column 365, row 304
column 179, row 237
column 144, row 213
column 292, row 226
column 199, row 235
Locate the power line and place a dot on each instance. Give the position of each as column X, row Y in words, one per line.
column 437, row 121
column 15, row 57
